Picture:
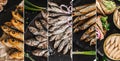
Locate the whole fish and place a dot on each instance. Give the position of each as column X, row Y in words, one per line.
column 32, row 42
column 43, row 45
column 17, row 24
column 90, row 8
column 17, row 16
column 13, row 33
column 35, row 31
column 86, row 16
column 39, row 52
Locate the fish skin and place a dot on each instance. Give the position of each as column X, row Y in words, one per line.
column 17, row 16
column 86, row 25
column 86, row 10
column 66, row 49
column 17, row 55
column 43, row 45
column 39, row 52
column 13, row 43
column 38, row 24
column 40, row 38
column 93, row 41
column 52, row 4
column 83, row 17
column 87, row 32
column 80, row 7
column 60, row 30
column 35, row 31
column 17, row 24
column 63, row 44
column 13, row 33
column 32, row 42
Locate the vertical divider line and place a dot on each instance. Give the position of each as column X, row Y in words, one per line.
column 96, row 34
column 47, row 32
column 72, row 31
column 24, row 29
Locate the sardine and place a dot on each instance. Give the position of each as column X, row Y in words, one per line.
column 85, row 10
column 13, row 33
column 38, row 24
column 80, row 7
column 17, row 55
column 90, row 35
column 41, row 38
column 66, row 49
column 17, row 16
column 88, row 32
column 17, row 24
column 44, row 23
column 61, row 30
column 35, row 31
column 86, row 25
column 13, row 43
column 44, row 14
column 63, row 44
column 62, row 21
column 61, row 18
column 86, row 16
column 39, row 52
column 32, row 42
column 43, row 45
column 56, row 9
column 93, row 41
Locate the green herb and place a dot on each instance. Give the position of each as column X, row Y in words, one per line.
column 86, row 53
column 104, row 19
column 119, row 0
column 104, row 22
column 28, row 56
column 32, row 7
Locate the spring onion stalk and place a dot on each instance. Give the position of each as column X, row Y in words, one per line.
column 32, row 9
column 28, row 56
column 86, row 53
column 35, row 6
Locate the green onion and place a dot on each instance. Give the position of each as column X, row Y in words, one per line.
column 86, row 53
column 119, row 0
column 32, row 9
column 28, row 56
column 35, row 6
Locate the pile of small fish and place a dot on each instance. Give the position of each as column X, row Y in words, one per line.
column 60, row 29
column 13, row 34
column 39, row 39
column 112, row 46
column 85, row 19
column 2, row 3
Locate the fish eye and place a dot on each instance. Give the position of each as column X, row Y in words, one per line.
column 13, row 32
column 5, row 27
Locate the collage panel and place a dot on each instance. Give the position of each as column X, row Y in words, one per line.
column 60, row 30
column 108, row 45
column 36, row 41
column 11, row 30
column 84, row 33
